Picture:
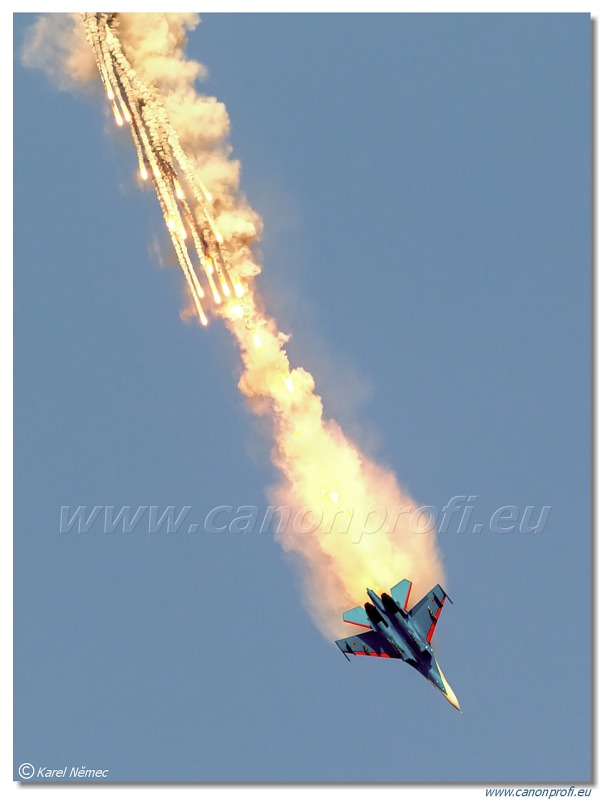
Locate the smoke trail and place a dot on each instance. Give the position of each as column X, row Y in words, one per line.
column 349, row 521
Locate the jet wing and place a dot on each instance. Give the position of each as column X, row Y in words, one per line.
column 370, row 643
column 426, row 613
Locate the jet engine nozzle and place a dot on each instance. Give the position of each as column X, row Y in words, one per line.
column 389, row 604
column 374, row 615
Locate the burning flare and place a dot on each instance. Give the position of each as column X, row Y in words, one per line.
column 180, row 138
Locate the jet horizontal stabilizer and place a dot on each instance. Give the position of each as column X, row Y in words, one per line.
column 357, row 616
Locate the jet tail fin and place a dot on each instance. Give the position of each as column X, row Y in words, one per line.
column 401, row 594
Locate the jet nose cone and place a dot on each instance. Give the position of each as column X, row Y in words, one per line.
column 447, row 690
column 452, row 699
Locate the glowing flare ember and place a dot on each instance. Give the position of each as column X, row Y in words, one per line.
column 236, row 312
column 201, row 314
column 118, row 117
column 256, row 340
column 288, row 381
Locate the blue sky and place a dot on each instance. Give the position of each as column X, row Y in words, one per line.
column 425, row 187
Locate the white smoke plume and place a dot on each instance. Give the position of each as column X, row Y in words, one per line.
column 350, row 521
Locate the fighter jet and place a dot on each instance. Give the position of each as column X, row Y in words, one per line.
column 394, row 631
